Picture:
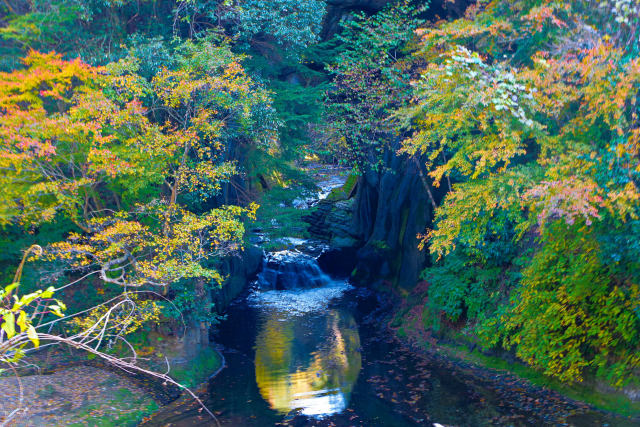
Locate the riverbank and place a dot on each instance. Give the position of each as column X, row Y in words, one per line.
column 68, row 389
column 613, row 402
column 407, row 323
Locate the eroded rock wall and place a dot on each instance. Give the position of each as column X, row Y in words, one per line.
column 239, row 269
column 392, row 207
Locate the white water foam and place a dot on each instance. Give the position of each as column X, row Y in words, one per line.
column 297, row 302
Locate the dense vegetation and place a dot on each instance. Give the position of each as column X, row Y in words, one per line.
column 136, row 137
column 526, row 113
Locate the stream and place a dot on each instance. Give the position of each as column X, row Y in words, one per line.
column 306, row 349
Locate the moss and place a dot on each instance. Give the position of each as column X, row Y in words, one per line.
column 199, row 369
column 123, row 409
column 345, row 191
column 276, row 216
column 379, row 244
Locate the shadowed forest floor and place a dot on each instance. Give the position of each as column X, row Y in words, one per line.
column 76, row 396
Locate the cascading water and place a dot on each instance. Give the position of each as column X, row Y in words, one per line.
column 307, row 355
column 292, row 283
column 286, row 270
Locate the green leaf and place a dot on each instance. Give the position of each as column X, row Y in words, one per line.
column 48, row 293
column 10, row 288
column 33, row 335
column 22, row 320
column 57, row 309
column 9, row 324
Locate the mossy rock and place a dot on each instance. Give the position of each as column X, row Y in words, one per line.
column 346, row 191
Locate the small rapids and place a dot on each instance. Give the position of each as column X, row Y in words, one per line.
column 287, row 270
column 293, row 283
column 300, row 301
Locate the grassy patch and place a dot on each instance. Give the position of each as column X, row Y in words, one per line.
column 123, row 409
column 198, row 369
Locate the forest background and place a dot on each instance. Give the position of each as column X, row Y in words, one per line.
column 137, row 139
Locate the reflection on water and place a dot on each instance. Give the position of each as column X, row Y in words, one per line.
column 284, row 362
column 307, row 363
column 296, row 328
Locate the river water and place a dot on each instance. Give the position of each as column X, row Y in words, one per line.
column 305, row 349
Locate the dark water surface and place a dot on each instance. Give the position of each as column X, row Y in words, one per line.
column 318, row 356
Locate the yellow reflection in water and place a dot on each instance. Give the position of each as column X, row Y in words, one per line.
column 308, row 363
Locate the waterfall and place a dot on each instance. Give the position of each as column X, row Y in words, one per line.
column 288, row 270
column 293, row 283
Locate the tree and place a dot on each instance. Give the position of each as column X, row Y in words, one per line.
column 530, row 113
column 291, row 24
column 75, row 135
column 371, row 78
column 115, row 153
column 24, row 317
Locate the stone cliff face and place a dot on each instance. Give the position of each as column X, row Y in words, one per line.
column 391, row 208
column 238, row 269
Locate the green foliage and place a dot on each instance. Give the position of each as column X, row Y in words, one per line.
column 292, row 24
column 297, row 86
column 20, row 314
column 190, row 298
column 585, row 316
column 277, row 217
column 96, row 30
column 77, row 139
column 537, row 141
column 128, row 162
column 13, row 239
column 464, row 290
column 371, row 73
column 479, row 216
